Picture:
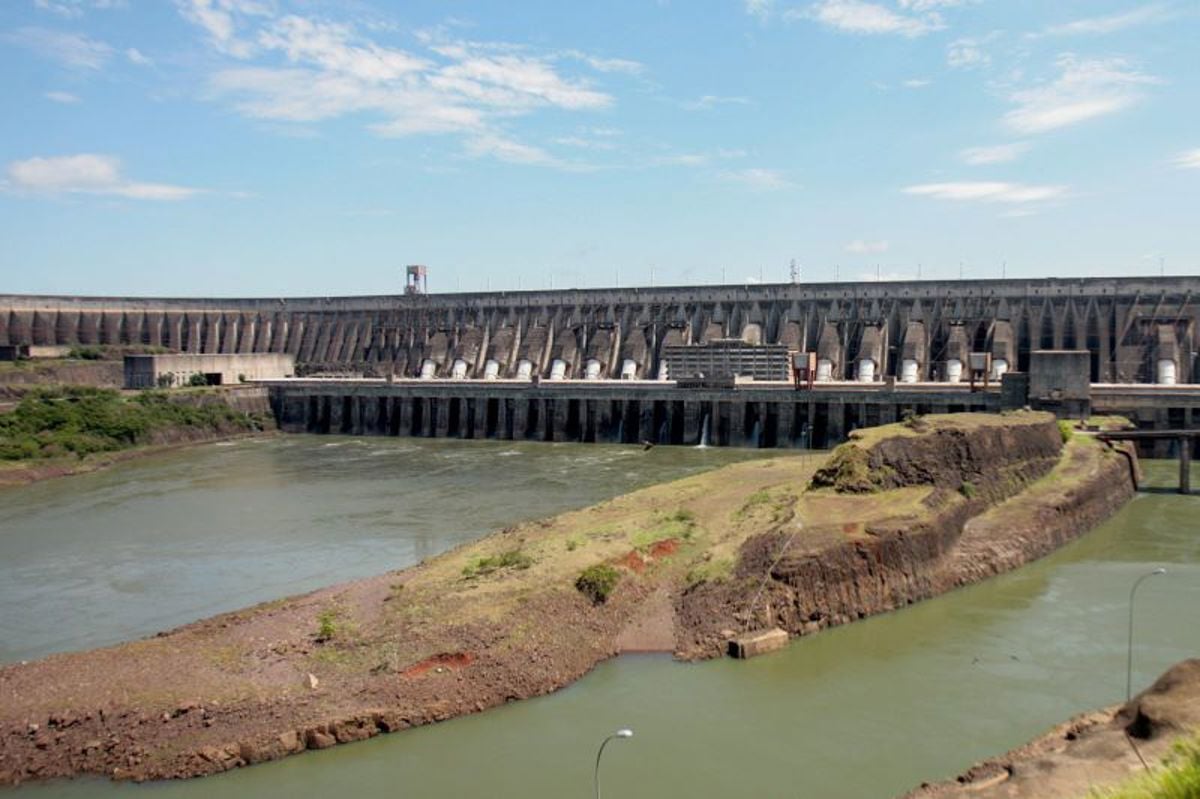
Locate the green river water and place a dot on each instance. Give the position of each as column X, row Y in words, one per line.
column 866, row 710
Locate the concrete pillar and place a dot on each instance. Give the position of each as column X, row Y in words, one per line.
column 787, row 416
column 441, row 408
column 1185, row 465
column 837, row 422
column 502, row 420
column 646, row 429
column 481, row 405
column 404, row 408
column 520, row 419
column 559, row 410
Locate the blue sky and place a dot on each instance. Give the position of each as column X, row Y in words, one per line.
column 289, row 147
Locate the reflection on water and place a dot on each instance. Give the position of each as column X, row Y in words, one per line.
column 866, row 710
column 151, row 544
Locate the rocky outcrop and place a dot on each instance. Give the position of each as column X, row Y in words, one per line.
column 967, row 531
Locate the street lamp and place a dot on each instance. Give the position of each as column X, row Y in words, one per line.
column 622, row 733
column 1129, row 659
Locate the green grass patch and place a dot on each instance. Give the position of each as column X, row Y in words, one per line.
column 512, row 559
column 327, row 626
column 77, row 420
column 716, row 570
column 680, row 525
column 1177, row 778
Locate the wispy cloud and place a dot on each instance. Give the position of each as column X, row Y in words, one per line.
column 916, row 83
column 1085, row 89
column 759, row 9
column 707, row 102
column 1189, row 159
column 86, row 174
column 66, row 98
column 137, row 57
column 757, row 178
column 994, row 154
column 864, row 18
column 1112, row 23
column 73, row 9
column 294, row 68
column 74, row 50
column 967, row 53
column 864, row 247
column 967, row 191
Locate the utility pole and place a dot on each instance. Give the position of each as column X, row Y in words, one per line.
column 794, row 272
column 918, row 270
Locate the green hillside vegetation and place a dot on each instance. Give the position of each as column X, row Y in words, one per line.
column 75, row 420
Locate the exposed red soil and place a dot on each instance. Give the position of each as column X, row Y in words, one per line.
column 446, row 661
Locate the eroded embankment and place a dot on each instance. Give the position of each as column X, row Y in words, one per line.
column 503, row 619
column 993, row 497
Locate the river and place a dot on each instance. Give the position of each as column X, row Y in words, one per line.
column 866, row 710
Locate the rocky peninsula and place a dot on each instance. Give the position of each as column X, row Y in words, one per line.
column 898, row 514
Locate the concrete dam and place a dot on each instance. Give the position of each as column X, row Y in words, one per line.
column 594, row 364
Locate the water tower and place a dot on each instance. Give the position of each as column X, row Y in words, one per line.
column 416, row 279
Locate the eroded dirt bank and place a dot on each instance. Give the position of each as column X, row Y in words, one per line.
column 1094, row 750
column 501, row 619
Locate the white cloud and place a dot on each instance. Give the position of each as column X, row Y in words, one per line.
column 967, row 53
column 1189, row 159
column 331, row 69
column 220, row 19
column 916, row 83
column 862, row 247
column 860, row 17
column 509, row 151
column 708, row 102
column 1112, row 23
column 622, row 65
column 931, row 5
column 86, row 174
column 136, row 56
column 757, row 178
column 65, row 98
column 759, row 9
column 73, row 9
column 69, row 49
column 1084, row 90
column 994, row 154
column 987, row 192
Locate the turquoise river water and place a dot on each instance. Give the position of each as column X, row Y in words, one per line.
column 866, row 710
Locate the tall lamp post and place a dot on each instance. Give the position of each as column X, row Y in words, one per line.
column 1129, row 656
column 622, row 733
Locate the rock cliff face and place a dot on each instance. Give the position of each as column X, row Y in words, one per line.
column 972, row 525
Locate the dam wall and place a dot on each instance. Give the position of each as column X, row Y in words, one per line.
column 613, row 412
column 1136, row 329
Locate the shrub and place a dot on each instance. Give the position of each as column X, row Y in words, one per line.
column 1066, row 430
column 165, row 380
column 327, row 626
column 81, row 420
column 197, row 379
column 967, row 489
column 86, row 353
column 597, row 582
